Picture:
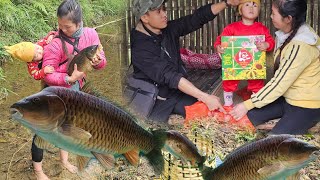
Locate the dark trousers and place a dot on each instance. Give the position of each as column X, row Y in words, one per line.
column 36, row 153
column 174, row 105
column 294, row 119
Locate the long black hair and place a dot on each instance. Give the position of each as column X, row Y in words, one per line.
column 70, row 9
column 297, row 9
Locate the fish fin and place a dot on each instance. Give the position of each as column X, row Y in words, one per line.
column 133, row 157
column 89, row 89
column 107, row 160
column 42, row 144
column 270, row 170
column 207, row 173
column 82, row 161
column 75, row 132
column 155, row 156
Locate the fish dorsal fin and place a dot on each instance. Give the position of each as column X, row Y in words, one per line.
column 82, row 161
column 74, row 133
column 271, row 169
column 42, row 144
column 133, row 157
column 106, row 160
column 89, row 89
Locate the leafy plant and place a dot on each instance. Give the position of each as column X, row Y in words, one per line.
column 245, row 136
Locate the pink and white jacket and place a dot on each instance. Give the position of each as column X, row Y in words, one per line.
column 53, row 55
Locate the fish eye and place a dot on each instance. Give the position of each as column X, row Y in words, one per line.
column 35, row 100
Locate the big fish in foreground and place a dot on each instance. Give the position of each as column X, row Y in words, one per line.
column 88, row 126
column 272, row 158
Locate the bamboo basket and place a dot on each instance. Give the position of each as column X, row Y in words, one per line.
column 174, row 169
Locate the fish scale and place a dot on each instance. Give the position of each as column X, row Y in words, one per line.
column 259, row 160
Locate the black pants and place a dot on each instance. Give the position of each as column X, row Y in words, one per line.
column 294, row 119
column 174, row 105
column 36, row 153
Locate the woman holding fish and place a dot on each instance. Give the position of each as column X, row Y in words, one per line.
column 293, row 93
column 72, row 38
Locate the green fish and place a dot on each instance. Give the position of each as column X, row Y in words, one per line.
column 272, row 158
column 181, row 147
column 83, row 59
column 88, row 126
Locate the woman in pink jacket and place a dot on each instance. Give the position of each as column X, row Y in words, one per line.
column 72, row 38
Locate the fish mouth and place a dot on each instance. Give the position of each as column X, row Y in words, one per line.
column 15, row 113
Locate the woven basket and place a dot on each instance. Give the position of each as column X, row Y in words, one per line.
column 174, row 169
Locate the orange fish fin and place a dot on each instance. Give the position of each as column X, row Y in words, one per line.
column 133, row 157
column 74, row 133
column 271, row 170
column 82, row 161
column 107, row 160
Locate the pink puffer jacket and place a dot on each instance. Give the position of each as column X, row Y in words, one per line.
column 53, row 55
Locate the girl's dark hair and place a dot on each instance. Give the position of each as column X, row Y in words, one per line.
column 71, row 9
column 297, row 9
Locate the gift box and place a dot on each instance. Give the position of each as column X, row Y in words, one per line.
column 241, row 59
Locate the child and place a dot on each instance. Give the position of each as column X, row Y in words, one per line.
column 249, row 11
column 32, row 54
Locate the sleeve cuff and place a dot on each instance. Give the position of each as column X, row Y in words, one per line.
column 248, row 104
column 176, row 81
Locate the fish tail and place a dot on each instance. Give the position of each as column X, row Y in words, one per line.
column 200, row 164
column 155, row 156
column 206, row 172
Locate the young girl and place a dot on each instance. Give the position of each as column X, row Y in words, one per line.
column 293, row 93
column 249, row 11
column 32, row 54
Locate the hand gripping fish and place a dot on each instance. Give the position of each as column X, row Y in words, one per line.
column 83, row 59
column 272, row 158
column 88, row 126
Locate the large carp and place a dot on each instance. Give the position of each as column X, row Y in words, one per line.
column 83, row 59
column 272, row 158
column 88, row 126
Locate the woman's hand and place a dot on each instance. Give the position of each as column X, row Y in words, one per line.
column 238, row 111
column 262, row 46
column 213, row 103
column 76, row 75
column 96, row 60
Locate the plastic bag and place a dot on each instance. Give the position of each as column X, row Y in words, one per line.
column 194, row 60
column 200, row 110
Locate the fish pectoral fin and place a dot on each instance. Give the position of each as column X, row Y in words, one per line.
column 42, row 144
column 75, row 132
column 82, row 161
column 107, row 160
column 271, row 169
column 133, row 157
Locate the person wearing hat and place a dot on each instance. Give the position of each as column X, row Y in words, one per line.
column 32, row 54
column 249, row 11
column 155, row 55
